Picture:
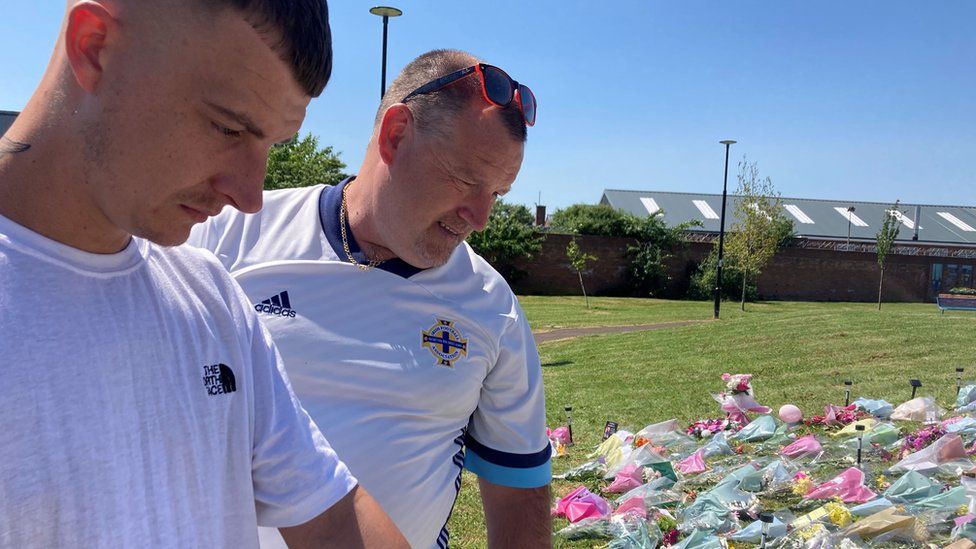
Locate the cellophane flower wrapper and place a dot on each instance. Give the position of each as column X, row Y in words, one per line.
column 851, row 428
column 919, row 409
column 912, row 487
column 657, row 485
column 761, row 428
column 632, row 532
column 946, row 501
column 944, row 450
column 581, row 504
column 657, row 429
column 629, row 477
column 701, row 539
column 593, row 469
column 736, row 406
column 594, row 528
column 718, row 445
column 880, row 409
column 871, row 507
column 964, row 427
column 560, row 435
column 848, row 486
column 805, row 446
column 753, row 532
column 966, row 396
column 693, row 464
column 774, row 476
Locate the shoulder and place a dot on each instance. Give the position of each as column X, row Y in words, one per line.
column 473, row 283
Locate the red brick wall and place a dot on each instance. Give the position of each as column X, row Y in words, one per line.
column 548, row 272
column 794, row 273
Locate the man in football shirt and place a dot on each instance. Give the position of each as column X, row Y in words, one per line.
column 408, row 350
column 143, row 403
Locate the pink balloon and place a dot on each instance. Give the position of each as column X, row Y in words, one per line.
column 790, row 413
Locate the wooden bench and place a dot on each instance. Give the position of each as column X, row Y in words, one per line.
column 956, row 302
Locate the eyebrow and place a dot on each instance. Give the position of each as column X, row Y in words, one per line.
column 240, row 118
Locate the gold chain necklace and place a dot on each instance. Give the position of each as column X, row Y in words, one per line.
column 343, row 218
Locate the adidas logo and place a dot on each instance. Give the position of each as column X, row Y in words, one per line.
column 278, row 305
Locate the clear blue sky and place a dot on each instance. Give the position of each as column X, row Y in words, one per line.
column 867, row 100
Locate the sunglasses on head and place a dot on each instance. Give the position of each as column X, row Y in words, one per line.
column 496, row 86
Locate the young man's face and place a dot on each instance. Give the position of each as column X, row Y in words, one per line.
column 183, row 122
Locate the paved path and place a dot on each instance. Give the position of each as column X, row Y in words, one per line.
column 569, row 333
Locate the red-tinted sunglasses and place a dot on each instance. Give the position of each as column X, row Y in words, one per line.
column 497, row 87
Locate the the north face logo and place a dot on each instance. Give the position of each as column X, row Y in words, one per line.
column 219, row 379
column 278, row 305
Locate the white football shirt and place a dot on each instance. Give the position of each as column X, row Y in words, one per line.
column 143, row 406
column 401, row 368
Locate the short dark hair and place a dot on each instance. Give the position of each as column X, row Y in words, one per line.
column 300, row 33
column 434, row 112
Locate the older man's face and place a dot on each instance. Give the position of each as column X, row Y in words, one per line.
column 445, row 188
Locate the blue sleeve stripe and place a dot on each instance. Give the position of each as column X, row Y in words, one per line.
column 521, row 477
column 506, row 459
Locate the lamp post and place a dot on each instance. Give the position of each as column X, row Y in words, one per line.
column 386, row 13
column 721, row 230
column 850, row 214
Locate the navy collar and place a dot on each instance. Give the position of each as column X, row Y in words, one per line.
column 330, row 202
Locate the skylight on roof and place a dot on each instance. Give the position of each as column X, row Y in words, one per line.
column 905, row 220
column 851, row 216
column 705, row 209
column 957, row 222
column 796, row 212
column 650, row 204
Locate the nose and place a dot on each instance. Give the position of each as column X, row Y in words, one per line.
column 476, row 212
column 243, row 181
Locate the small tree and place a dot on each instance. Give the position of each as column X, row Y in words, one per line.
column 761, row 228
column 886, row 238
column 508, row 235
column 300, row 163
column 652, row 240
column 578, row 259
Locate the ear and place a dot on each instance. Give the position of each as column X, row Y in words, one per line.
column 397, row 124
column 90, row 27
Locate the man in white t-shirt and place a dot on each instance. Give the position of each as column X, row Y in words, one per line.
column 408, row 350
column 142, row 402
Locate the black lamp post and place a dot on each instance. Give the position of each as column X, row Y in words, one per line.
column 721, row 231
column 386, row 13
column 850, row 215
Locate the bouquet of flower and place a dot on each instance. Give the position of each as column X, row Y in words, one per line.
column 838, row 416
column 922, row 438
column 738, row 383
column 738, row 398
column 707, row 427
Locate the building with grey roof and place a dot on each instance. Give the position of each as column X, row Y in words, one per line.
column 812, row 219
column 833, row 255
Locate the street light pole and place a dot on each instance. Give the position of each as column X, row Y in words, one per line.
column 721, row 231
column 386, row 13
column 850, row 213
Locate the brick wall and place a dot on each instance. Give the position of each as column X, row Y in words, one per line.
column 794, row 273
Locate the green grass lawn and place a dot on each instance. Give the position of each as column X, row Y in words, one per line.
column 799, row 353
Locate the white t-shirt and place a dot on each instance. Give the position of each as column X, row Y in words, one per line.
column 142, row 404
column 401, row 368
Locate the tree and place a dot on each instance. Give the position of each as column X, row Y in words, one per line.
column 595, row 220
column 886, row 238
column 508, row 235
column 760, row 228
column 578, row 259
column 300, row 163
